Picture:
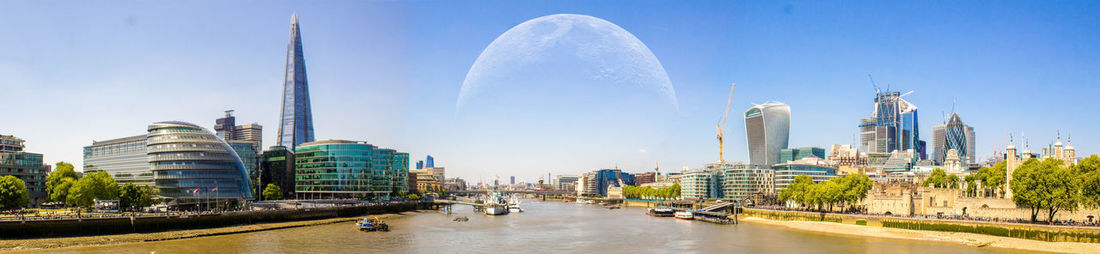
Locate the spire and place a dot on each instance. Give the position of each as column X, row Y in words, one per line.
column 296, row 125
column 1011, row 144
column 1058, row 141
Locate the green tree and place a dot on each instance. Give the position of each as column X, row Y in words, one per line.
column 60, row 180
column 1045, row 185
column 413, row 197
column 132, row 196
column 1089, row 169
column 93, row 186
column 13, row 193
column 273, row 192
column 940, row 179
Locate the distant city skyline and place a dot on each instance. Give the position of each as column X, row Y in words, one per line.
column 390, row 73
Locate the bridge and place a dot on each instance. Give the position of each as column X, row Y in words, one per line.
column 535, row 192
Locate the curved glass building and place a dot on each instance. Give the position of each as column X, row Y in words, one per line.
column 191, row 165
column 342, row 169
column 768, row 127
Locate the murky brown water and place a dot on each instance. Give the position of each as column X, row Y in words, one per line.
column 546, row 227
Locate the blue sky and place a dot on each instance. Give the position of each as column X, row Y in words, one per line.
column 390, row 72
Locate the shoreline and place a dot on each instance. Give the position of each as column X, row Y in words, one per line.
column 969, row 239
column 44, row 244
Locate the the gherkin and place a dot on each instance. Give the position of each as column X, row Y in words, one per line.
column 296, row 125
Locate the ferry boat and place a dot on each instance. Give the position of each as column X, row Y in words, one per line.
column 369, row 225
column 513, row 206
column 685, row 215
column 496, row 205
column 660, row 212
column 496, row 210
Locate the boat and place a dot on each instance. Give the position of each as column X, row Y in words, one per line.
column 370, row 225
column 496, row 204
column 513, row 206
column 496, row 210
column 660, row 212
column 684, row 215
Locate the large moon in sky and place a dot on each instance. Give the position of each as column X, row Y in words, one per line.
column 566, row 86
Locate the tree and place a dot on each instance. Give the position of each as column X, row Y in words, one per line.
column 940, row 179
column 60, row 180
column 133, row 196
column 13, row 193
column 1089, row 168
column 1045, row 185
column 413, row 197
column 93, row 186
column 273, row 192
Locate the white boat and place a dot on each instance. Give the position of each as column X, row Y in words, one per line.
column 496, row 210
column 513, row 205
column 685, row 215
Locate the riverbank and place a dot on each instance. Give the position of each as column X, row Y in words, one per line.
column 970, row 239
column 43, row 244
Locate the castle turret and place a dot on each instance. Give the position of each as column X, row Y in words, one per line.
column 1010, row 164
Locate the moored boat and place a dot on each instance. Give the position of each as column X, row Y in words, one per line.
column 660, row 212
column 369, row 225
column 685, row 215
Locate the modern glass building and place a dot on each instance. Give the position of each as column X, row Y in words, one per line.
column 125, row 159
column 818, row 169
column 793, row 154
column 953, row 135
column 892, row 126
column 342, row 169
column 249, row 157
column 277, row 167
column 25, row 166
column 768, row 127
column 192, row 166
column 296, row 125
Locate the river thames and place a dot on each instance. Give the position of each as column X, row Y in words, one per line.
column 553, row 227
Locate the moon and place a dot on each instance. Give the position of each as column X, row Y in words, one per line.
column 616, row 56
column 571, row 91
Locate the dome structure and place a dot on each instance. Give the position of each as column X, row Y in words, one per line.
column 191, row 165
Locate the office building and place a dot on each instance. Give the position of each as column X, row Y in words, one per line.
column 419, row 164
column 816, row 168
column 192, row 166
column 342, row 169
column 125, row 159
column 240, row 136
column 793, row 154
column 768, row 127
column 429, row 162
column 512, row 180
column 276, row 166
column 736, row 181
column 25, row 166
column 296, row 123
column 846, row 155
column 644, row 178
column 564, row 182
column 892, row 126
column 429, row 179
column 953, row 135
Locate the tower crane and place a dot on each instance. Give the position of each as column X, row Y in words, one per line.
column 721, row 157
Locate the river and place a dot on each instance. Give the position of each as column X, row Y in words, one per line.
column 545, row 227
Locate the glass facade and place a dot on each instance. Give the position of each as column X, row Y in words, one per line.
column 768, row 127
column 953, row 135
column 191, row 165
column 249, row 157
column 893, row 125
column 29, row 168
column 125, row 159
column 793, row 154
column 785, row 173
column 340, row 169
column 277, row 167
column 296, row 125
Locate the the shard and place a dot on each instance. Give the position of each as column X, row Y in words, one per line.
column 296, row 125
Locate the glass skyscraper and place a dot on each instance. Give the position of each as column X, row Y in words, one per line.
column 296, row 125
column 768, row 127
column 892, row 126
column 953, row 135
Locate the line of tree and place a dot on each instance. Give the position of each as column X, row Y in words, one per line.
column 670, row 192
column 1049, row 186
column 13, row 193
column 848, row 189
column 65, row 185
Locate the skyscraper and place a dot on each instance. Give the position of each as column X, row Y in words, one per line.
column 953, row 135
column 429, row 162
column 768, row 127
column 892, row 126
column 296, row 125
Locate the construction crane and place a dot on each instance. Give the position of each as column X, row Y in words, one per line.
column 721, row 157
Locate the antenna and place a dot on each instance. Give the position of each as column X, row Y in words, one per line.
column 953, row 101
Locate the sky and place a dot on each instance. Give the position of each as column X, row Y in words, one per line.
column 390, row 73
